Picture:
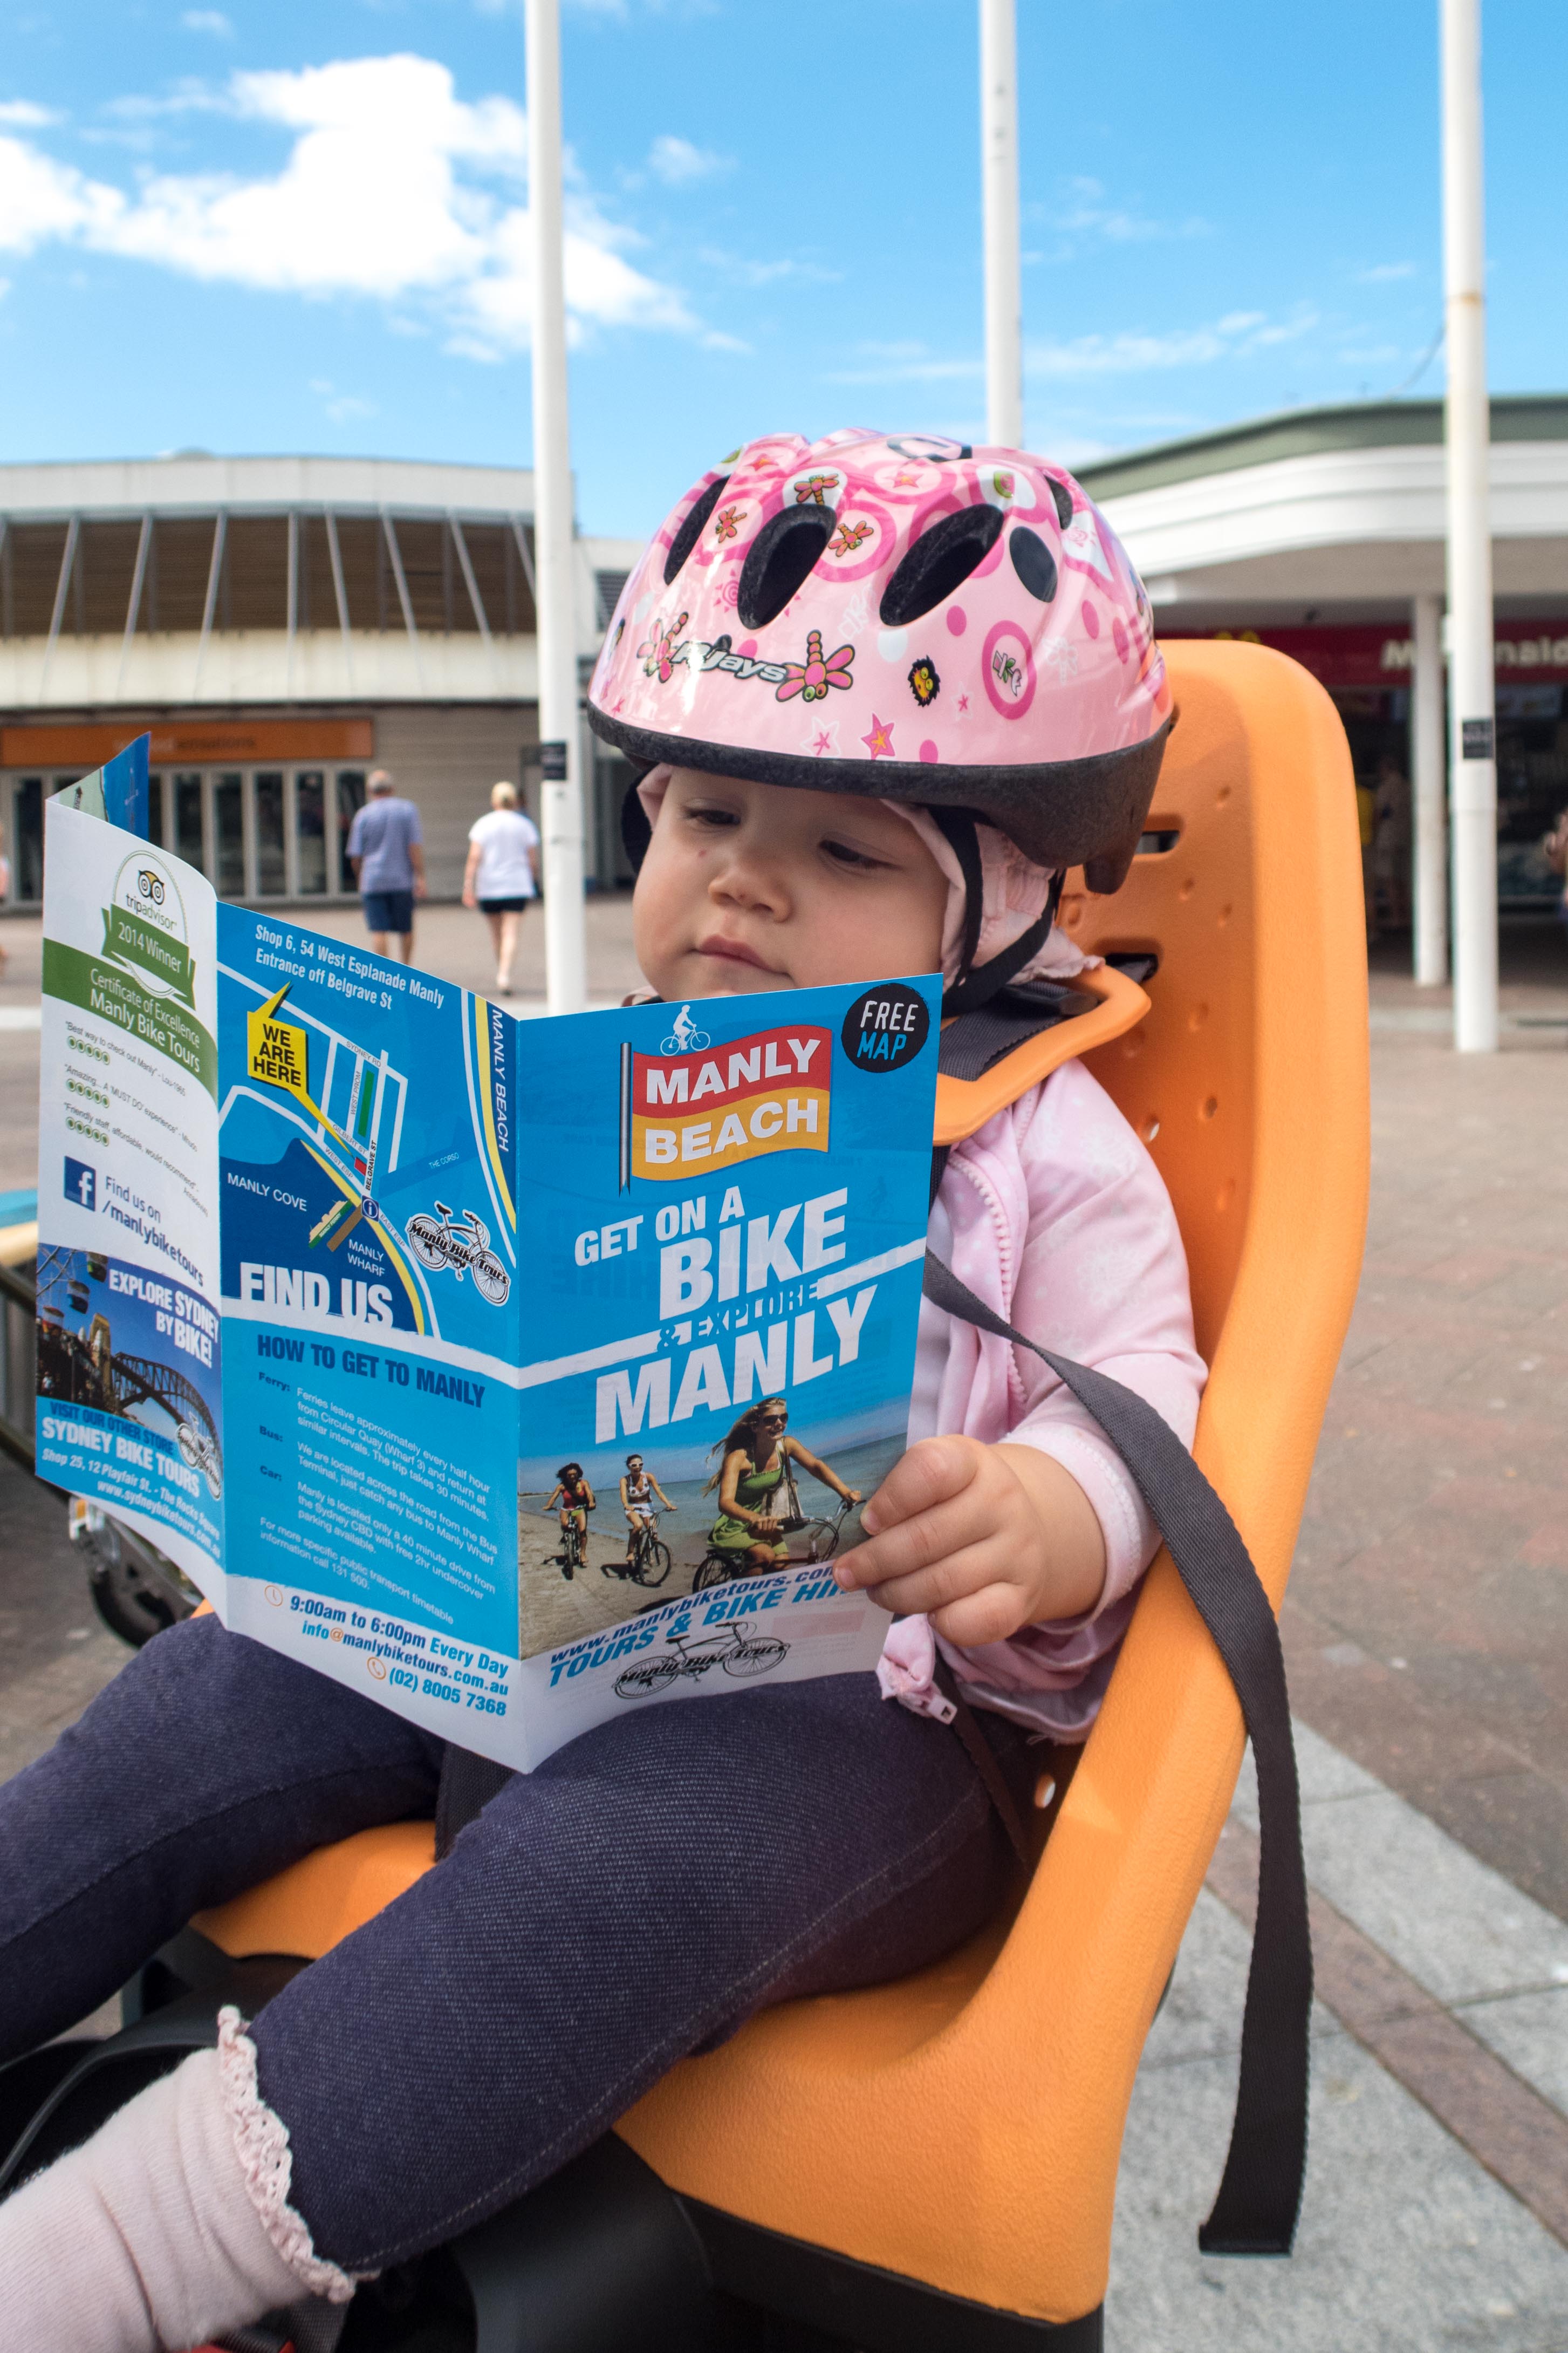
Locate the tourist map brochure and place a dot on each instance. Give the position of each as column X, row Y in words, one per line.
column 356, row 1292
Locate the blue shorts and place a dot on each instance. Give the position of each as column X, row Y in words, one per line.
column 389, row 911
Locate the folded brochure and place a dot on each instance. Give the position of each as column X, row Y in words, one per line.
column 354, row 1290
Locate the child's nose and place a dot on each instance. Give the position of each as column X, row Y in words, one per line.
column 748, row 880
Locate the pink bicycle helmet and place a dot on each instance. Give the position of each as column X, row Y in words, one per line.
column 904, row 617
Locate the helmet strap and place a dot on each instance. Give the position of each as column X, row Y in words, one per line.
column 957, row 827
column 978, row 986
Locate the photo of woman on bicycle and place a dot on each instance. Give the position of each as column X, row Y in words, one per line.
column 577, row 1500
column 754, row 1478
column 638, row 1488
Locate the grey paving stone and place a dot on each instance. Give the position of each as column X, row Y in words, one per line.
column 1530, row 2030
column 1406, row 2245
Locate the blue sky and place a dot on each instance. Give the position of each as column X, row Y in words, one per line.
column 273, row 228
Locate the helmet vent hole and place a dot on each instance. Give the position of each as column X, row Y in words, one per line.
column 1034, row 563
column 691, row 530
column 1063, row 497
column 939, row 561
column 779, row 560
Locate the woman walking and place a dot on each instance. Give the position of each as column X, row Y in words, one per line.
column 502, row 874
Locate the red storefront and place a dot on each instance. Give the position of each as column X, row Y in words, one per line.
column 1368, row 668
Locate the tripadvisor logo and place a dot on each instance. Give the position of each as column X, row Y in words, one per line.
column 144, row 926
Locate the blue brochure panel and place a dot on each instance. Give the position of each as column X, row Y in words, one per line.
column 727, row 1207
column 371, row 1307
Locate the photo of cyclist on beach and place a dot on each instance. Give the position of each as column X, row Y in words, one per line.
column 638, row 1487
column 577, row 1500
column 754, row 1478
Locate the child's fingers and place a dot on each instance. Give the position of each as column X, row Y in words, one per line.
column 932, row 1471
column 988, row 1615
column 949, row 1579
column 945, row 1530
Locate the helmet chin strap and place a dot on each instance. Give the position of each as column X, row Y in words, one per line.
column 976, row 986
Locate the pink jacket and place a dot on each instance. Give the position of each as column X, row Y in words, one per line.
column 1055, row 1215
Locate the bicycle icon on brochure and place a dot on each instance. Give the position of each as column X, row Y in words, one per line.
column 732, row 1647
column 463, row 1244
column 685, row 1037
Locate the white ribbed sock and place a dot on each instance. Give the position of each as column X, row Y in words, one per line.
column 152, row 2234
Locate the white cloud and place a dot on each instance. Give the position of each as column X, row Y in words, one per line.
column 1131, row 354
column 907, row 363
column 1382, row 273
column 207, row 20
column 21, row 114
column 745, row 270
column 678, row 162
column 1086, row 211
column 394, row 188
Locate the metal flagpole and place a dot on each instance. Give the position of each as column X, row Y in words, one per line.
column 1473, row 763
column 999, row 182
column 560, row 797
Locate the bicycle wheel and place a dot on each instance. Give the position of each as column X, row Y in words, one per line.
column 653, row 1563
column 643, row 1681
column 428, row 1241
column 490, row 1278
column 756, row 1657
column 715, row 1570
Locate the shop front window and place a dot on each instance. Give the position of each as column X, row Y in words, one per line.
column 271, row 870
column 28, row 822
column 188, row 821
column 155, row 807
column 228, row 830
column 351, row 799
column 1531, row 790
column 310, row 831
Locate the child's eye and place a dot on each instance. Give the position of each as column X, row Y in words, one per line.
column 843, row 854
column 721, row 818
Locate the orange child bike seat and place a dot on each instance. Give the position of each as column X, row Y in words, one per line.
column 961, row 2128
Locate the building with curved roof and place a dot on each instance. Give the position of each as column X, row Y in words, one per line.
column 1322, row 533
column 281, row 624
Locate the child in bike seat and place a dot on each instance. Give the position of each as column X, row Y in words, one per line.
column 871, row 729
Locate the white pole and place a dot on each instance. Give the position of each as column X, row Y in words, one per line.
column 560, row 797
column 999, row 182
column 1429, row 791
column 1472, row 715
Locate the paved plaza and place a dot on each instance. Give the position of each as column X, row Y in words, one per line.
column 1427, row 1632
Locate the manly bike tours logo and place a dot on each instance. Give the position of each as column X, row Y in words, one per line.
column 144, row 926
column 695, row 1105
column 462, row 1245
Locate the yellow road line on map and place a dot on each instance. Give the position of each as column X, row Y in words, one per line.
column 481, row 1029
column 381, row 1236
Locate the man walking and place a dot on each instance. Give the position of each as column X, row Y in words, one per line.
column 385, row 850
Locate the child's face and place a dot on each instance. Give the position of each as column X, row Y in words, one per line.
column 749, row 887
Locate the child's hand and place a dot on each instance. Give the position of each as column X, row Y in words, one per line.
column 983, row 1538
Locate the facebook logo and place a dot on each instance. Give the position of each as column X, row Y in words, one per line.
column 81, row 1184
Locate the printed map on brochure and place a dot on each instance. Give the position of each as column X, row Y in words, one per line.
column 425, row 1338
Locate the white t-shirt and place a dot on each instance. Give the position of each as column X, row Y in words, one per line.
column 505, row 837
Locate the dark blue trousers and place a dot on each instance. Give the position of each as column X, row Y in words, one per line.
column 632, row 1900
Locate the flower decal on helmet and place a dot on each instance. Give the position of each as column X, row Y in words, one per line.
column 812, row 678
column 660, row 652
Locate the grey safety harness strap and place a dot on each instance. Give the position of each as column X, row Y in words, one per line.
column 1260, row 2197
